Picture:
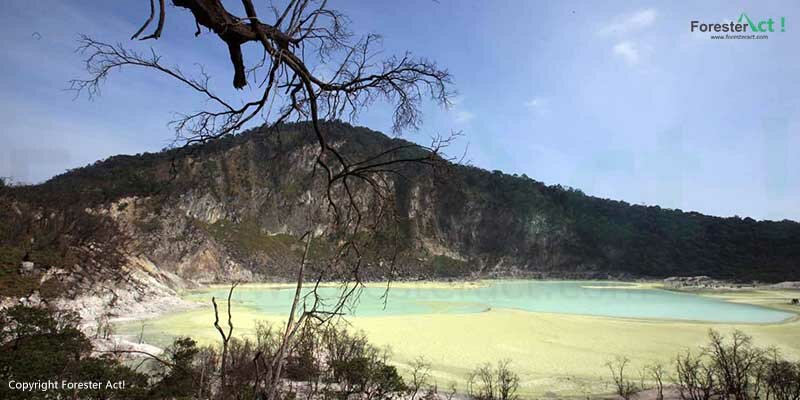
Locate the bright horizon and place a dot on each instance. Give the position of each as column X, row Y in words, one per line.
column 636, row 107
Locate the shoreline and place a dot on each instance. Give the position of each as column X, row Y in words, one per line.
column 717, row 293
column 164, row 303
column 547, row 349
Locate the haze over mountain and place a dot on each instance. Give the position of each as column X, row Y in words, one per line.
column 233, row 209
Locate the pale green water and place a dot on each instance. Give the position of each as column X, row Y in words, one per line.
column 566, row 297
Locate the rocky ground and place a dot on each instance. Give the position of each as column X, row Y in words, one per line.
column 146, row 293
column 707, row 283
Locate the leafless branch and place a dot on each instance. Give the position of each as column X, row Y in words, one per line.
column 310, row 68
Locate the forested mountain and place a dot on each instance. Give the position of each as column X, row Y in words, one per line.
column 233, row 208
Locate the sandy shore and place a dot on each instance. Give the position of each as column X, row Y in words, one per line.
column 553, row 353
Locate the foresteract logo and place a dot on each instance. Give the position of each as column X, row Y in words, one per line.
column 743, row 25
column 762, row 26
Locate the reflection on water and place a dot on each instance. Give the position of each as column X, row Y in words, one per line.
column 571, row 297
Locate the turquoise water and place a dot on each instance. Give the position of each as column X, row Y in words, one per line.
column 567, row 297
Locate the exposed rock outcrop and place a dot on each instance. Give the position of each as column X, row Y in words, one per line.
column 145, row 226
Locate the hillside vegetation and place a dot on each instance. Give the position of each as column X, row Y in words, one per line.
column 233, row 207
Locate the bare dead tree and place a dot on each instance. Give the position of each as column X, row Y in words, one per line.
column 452, row 391
column 625, row 388
column 225, row 337
column 507, row 381
column 694, row 377
column 488, row 383
column 308, row 67
column 735, row 361
column 292, row 326
column 781, row 377
column 420, row 377
column 657, row 373
column 304, row 35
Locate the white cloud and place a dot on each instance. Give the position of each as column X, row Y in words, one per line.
column 463, row 117
column 630, row 22
column 628, row 51
column 538, row 104
column 458, row 113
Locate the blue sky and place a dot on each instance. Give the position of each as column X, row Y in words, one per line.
column 616, row 98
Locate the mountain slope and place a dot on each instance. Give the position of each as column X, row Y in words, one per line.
column 232, row 209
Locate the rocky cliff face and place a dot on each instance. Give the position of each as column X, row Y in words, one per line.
column 233, row 209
